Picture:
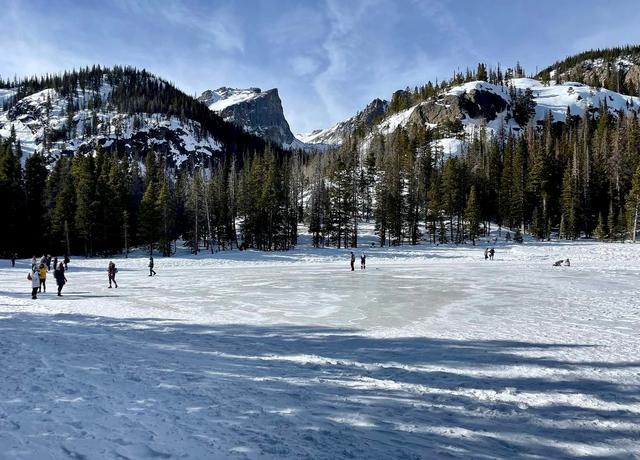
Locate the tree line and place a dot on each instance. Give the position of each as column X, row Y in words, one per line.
column 102, row 203
column 568, row 180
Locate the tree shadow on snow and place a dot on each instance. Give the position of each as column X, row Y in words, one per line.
column 316, row 392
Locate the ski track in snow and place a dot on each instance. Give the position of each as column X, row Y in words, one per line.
column 429, row 353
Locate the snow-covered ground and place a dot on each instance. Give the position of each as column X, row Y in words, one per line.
column 431, row 352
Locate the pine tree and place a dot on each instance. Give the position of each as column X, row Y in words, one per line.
column 35, row 179
column 472, row 215
column 149, row 216
column 85, row 214
column 633, row 203
column 600, row 231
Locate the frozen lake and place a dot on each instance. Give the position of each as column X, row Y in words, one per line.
column 432, row 352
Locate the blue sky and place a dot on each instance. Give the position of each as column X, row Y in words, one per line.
column 328, row 58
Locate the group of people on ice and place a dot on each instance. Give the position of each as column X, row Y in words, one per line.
column 39, row 271
column 489, row 253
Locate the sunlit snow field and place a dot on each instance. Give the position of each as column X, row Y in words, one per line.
column 431, row 352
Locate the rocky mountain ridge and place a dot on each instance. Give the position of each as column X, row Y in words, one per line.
column 257, row 112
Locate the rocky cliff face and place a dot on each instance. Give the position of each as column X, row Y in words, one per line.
column 256, row 111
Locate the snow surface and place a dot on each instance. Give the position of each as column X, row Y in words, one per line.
column 226, row 97
column 431, row 352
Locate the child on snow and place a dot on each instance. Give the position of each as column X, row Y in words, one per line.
column 42, row 272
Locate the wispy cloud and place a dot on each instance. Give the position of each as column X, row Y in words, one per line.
column 218, row 27
column 328, row 58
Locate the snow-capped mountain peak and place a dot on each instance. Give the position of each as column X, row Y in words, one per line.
column 257, row 112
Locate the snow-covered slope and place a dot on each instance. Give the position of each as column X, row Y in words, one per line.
column 334, row 136
column 556, row 98
column 614, row 68
column 221, row 98
column 48, row 123
column 481, row 105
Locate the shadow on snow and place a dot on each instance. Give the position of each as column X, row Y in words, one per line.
column 332, row 391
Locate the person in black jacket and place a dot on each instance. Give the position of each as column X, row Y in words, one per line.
column 353, row 260
column 151, row 270
column 112, row 270
column 61, row 280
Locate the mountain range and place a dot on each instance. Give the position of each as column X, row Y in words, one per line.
column 133, row 111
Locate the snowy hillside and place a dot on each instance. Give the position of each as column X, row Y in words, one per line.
column 479, row 104
column 555, row 98
column 42, row 123
column 334, row 136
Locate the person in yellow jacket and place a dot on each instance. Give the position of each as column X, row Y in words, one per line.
column 42, row 271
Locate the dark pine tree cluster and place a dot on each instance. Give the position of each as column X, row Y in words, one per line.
column 568, row 180
column 101, row 203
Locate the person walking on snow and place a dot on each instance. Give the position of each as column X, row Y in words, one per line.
column 363, row 261
column 34, row 277
column 66, row 261
column 55, row 262
column 152, row 272
column 14, row 256
column 353, row 260
column 491, row 253
column 61, row 280
column 486, row 253
column 42, row 272
column 112, row 270
column 34, row 263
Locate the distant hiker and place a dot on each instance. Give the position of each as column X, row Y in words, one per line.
column 61, row 280
column 14, row 256
column 491, row 253
column 363, row 261
column 567, row 263
column 49, row 262
column 353, row 260
column 112, row 270
column 486, row 254
column 34, row 277
column 151, row 270
column 42, row 272
column 558, row 263
column 66, row 261
column 34, row 263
